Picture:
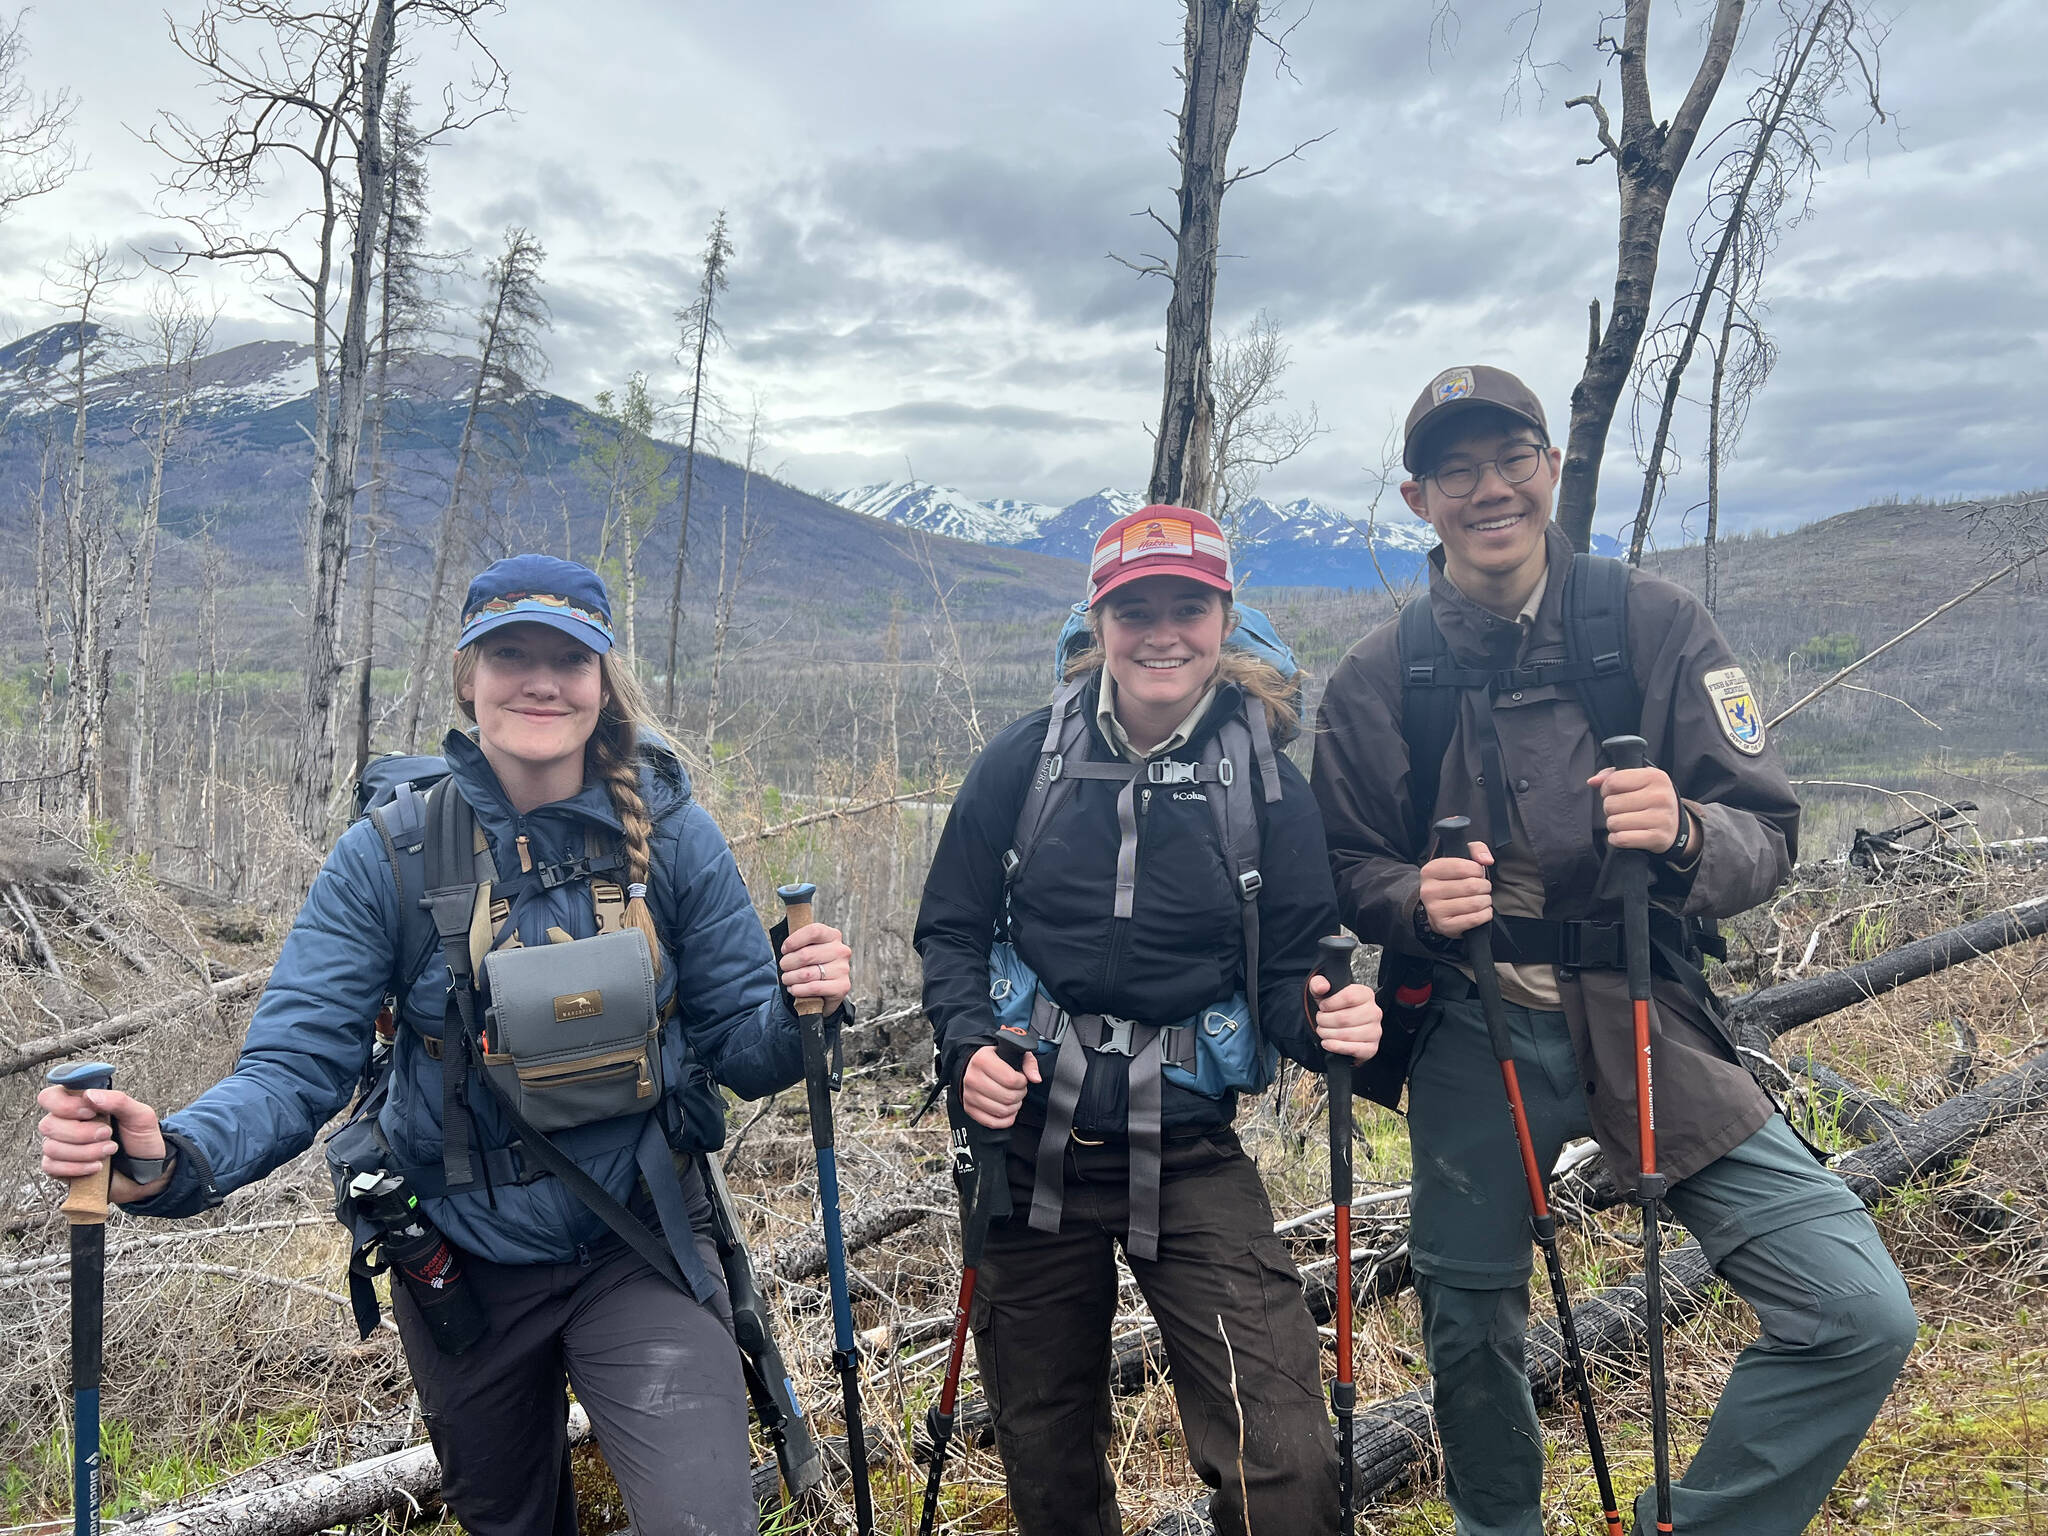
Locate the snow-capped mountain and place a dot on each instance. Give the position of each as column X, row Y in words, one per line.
column 1299, row 543
column 939, row 509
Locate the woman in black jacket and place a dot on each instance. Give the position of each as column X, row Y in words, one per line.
column 1126, row 905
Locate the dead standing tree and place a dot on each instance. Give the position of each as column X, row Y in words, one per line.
column 1826, row 45
column 700, row 333
column 508, row 358
column 308, row 97
column 35, row 156
column 1249, row 432
column 1647, row 159
column 1215, row 52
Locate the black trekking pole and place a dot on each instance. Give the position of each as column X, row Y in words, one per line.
column 1333, row 964
column 1632, row 868
column 810, row 1017
column 85, row 1209
column 985, row 1151
column 1452, row 833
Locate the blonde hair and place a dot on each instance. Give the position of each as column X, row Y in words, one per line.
column 611, row 756
column 1258, row 679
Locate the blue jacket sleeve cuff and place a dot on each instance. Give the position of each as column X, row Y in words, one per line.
column 191, row 1189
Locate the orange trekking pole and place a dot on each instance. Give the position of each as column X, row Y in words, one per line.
column 1632, row 866
column 1452, row 834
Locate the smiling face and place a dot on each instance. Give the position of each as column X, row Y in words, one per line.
column 1495, row 534
column 535, row 695
column 1161, row 636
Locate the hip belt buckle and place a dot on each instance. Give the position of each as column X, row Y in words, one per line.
column 1116, row 1036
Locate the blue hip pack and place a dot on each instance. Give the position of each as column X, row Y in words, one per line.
column 1211, row 1053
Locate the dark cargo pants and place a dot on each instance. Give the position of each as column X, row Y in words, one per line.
column 658, row 1373
column 1784, row 1233
column 1228, row 1301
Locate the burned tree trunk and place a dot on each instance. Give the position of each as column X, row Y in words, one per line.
column 1758, row 1018
column 1218, row 46
column 1647, row 159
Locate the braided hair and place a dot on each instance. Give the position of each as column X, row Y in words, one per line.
column 611, row 756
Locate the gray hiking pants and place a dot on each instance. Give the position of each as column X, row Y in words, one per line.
column 1785, row 1234
column 658, row 1373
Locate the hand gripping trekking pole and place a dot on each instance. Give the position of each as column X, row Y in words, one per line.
column 1632, row 866
column 810, row 1017
column 983, row 1152
column 1453, row 833
column 1333, row 964
column 85, row 1208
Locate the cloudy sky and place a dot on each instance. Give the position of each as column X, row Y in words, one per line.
column 923, row 193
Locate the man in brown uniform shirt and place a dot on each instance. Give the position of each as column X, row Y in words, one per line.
column 1719, row 822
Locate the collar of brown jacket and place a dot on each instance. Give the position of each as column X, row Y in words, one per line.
column 1473, row 633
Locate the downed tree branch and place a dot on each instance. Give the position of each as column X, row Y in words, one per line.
column 806, row 1261
column 1396, row 1440
column 1757, row 1018
column 841, row 813
column 401, row 1481
column 135, row 958
column 1869, row 656
column 123, row 1025
column 32, row 928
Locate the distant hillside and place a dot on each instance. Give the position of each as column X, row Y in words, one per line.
column 243, row 464
column 1973, row 684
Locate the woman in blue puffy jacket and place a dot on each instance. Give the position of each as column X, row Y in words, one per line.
column 564, row 759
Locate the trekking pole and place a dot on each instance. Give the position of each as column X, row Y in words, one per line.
column 810, row 1017
column 986, row 1150
column 1452, row 833
column 1633, row 869
column 1333, row 964
column 85, row 1208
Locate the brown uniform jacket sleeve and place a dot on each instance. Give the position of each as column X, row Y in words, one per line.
column 1360, row 778
column 1744, row 802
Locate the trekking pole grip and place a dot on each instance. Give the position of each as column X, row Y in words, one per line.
column 1455, row 836
column 1634, row 752
column 85, row 1198
column 796, row 907
column 1333, row 964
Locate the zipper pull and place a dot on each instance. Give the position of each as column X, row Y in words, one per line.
column 1145, row 802
column 525, row 855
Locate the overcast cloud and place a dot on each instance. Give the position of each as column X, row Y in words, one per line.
column 922, row 194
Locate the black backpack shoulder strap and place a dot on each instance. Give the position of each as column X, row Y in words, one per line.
column 1596, row 636
column 449, row 898
column 1230, row 755
column 1429, row 711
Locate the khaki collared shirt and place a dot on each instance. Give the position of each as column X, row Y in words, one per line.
column 1113, row 729
column 1517, row 877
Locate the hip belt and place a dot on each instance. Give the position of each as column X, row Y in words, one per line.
column 1147, row 1047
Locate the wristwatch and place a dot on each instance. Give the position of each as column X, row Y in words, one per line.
column 1681, row 849
column 143, row 1170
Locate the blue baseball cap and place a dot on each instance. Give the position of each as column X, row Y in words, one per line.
column 539, row 589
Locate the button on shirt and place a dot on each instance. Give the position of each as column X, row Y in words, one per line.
column 1517, row 878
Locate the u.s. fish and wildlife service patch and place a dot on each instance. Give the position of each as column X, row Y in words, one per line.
column 1736, row 708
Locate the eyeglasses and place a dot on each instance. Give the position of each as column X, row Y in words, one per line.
column 1460, row 480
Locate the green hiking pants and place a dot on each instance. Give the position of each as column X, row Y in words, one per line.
column 1785, row 1234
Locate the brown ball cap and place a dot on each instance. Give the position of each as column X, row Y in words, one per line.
column 1456, row 391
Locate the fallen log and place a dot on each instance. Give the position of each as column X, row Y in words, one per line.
column 806, row 1261
column 1861, row 1112
column 1757, row 1018
column 1613, row 1325
column 124, row 1025
column 403, row 1480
